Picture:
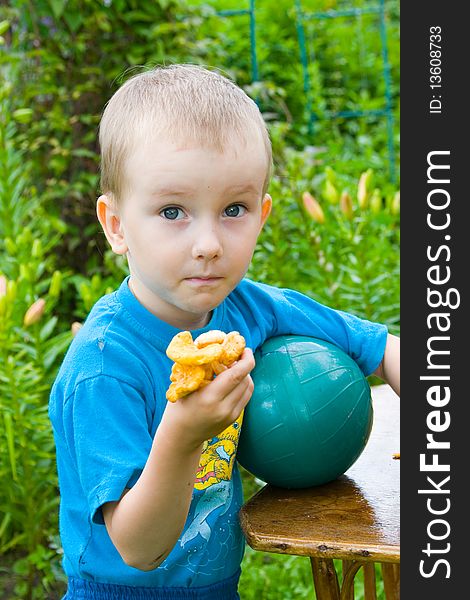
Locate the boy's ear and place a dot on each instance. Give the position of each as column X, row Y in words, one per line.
column 109, row 217
column 265, row 209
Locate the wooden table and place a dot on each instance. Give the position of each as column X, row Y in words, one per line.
column 355, row 518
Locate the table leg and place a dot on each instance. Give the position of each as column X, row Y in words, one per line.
column 325, row 579
column 349, row 595
column 370, row 592
column 396, row 572
column 391, row 577
column 349, row 573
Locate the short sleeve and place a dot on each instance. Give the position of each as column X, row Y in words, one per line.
column 108, row 438
column 363, row 340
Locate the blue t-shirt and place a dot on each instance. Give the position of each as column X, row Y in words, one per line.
column 106, row 405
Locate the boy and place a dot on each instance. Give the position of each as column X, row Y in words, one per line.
column 185, row 168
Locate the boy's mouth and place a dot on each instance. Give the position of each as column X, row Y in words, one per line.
column 204, row 280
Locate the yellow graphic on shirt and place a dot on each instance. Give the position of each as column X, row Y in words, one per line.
column 218, row 457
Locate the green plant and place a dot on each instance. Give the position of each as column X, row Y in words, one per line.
column 347, row 258
column 345, row 71
column 31, row 344
column 75, row 54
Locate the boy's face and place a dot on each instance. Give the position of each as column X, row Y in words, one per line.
column 189, row 225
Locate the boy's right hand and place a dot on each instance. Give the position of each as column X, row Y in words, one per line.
column 208, row 411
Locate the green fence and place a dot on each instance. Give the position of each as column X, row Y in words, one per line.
column 305, row 25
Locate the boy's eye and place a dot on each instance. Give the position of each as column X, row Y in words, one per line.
column 235, row 210
column 172, row 213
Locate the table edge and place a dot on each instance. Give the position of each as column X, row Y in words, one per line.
column 318, row 549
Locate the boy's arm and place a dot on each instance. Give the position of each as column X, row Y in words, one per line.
column 389, row 368
column 146, row 522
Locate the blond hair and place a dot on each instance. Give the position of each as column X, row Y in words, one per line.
column 181, row 103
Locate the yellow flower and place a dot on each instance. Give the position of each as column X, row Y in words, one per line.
column 330, row 175
column 54, row 288
column 34, row 312
column 75, row 328
column 395, row 207
column 313, row 207
column 330, row 192
column 376, row 202
column 3, row 286
column 364, row 187
column 345, row 203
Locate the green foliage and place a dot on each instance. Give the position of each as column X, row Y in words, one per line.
column 74, row 56
column 350, row 261
column 345, row 70
column 60, row 61
column 32, row 341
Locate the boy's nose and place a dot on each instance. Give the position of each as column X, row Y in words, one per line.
column 207, row 246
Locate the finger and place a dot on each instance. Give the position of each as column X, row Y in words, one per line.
column 243, row 402
column 234, row 396
column 229, row 379
column 230, row 407
column 242, row 367
column 247, row 359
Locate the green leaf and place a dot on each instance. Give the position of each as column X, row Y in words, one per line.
column 4, row 26
column 10, row 443
column 23, row 115
column 48, row 328
column 5, row 522
column 84, row 153
column 58, row 7
column 17, row 540
column 60, row 346
column 74, row 20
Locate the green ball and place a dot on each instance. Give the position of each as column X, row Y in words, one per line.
column 310, row 415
